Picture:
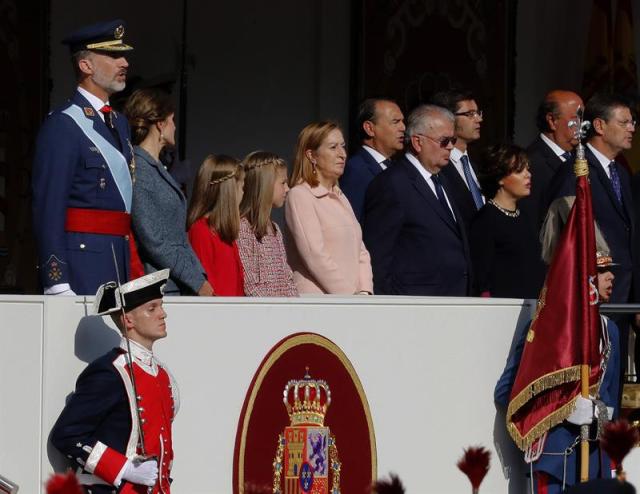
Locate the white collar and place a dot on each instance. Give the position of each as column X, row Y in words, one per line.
column 558, row 151
column 602, row 159
column 379, row 157
column 423, row 171
column 141, row 354
column 93, row 100
column 456, row 154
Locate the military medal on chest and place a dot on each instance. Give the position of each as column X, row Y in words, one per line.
column 306, row 460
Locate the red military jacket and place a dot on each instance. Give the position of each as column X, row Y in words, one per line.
column 99, row 427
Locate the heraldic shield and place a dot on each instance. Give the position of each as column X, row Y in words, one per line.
column 294, row 448
column 306, row 460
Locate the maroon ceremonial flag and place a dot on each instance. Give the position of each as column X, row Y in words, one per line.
column 564, row 332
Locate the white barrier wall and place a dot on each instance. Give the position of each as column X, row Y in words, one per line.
column 428, row 367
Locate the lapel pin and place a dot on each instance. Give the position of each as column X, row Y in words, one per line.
column 88, row 111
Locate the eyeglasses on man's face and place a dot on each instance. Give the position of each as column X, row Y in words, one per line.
column 626, row 123
column 443, row 142
column 469, row 114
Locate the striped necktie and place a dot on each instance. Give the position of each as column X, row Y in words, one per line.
column 615, row 180
column 471, row 183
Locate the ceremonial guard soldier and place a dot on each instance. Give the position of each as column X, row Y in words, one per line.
column 117, row 424
column 82, row 185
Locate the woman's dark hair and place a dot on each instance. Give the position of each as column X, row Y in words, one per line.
column 145, row 108
column 497, row 162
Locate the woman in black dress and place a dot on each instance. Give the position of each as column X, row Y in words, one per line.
column 505, row 249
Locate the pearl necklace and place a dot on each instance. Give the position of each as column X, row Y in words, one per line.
column 507, row 212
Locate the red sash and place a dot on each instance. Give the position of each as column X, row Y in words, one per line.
column 106, row 222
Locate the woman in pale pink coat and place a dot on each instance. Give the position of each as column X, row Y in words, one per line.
column 324, row 239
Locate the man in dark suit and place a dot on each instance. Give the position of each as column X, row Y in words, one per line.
column 550, row 150
column 612, row 129
column 82, row 187
column 460, row 173
column 381, row 130
column 412, row 227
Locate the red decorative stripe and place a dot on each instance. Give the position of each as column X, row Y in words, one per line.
column 109, row 465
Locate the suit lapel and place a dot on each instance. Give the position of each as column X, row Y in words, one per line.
column 596, row 167
column 162, row 171
column 551, row 158
column 425, row 191
column 372, row 164
column 98, row 124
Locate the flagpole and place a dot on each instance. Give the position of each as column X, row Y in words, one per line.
column 581, row 169
column 584, row 429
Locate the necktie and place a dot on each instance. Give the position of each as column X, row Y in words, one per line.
column 440, row 194
column 473, row 187
column 108, row 119
column 567, row 156
column 615, row 180
column 385, row 164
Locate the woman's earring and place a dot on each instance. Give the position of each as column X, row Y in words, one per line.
column 313, row 165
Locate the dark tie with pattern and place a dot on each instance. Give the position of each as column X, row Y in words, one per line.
column 567, row 156
column 471, row 183
column 385, row 164
column 107, row 111
column 615, row 180
column 440, row 194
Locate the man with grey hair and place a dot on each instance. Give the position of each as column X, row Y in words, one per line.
column 81, row 184
column 412, row 227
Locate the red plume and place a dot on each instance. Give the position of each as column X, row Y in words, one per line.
column 618, row 439
column 391, row 486
column 63, row 484
column 475, row 465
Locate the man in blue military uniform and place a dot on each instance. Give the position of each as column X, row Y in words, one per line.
column 82, row 184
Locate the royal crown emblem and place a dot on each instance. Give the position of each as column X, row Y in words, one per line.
column 307, row 456
column 118, row 32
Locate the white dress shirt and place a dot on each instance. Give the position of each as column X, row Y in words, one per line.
column 454, row 157
column 557, row 150
column 379, row 157
column 426, row 174
column 602, row 159
column 95, row 102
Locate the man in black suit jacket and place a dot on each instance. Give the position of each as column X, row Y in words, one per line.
column 550, row 150
column 381, row 130
column 612, row 129
column 460, row 173
column 412, row 228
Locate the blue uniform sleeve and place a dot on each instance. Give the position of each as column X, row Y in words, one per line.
column 504, row 385
column 55, row 161
column 609, row 391
column 98, row 391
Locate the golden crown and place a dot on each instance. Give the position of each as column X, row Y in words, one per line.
column 307, row 400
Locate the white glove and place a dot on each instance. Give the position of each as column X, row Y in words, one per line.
column 144, row 473
column 68, row 293
column 60, row 289
column 583, row 413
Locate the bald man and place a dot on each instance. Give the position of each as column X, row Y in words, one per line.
column 551, row 150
